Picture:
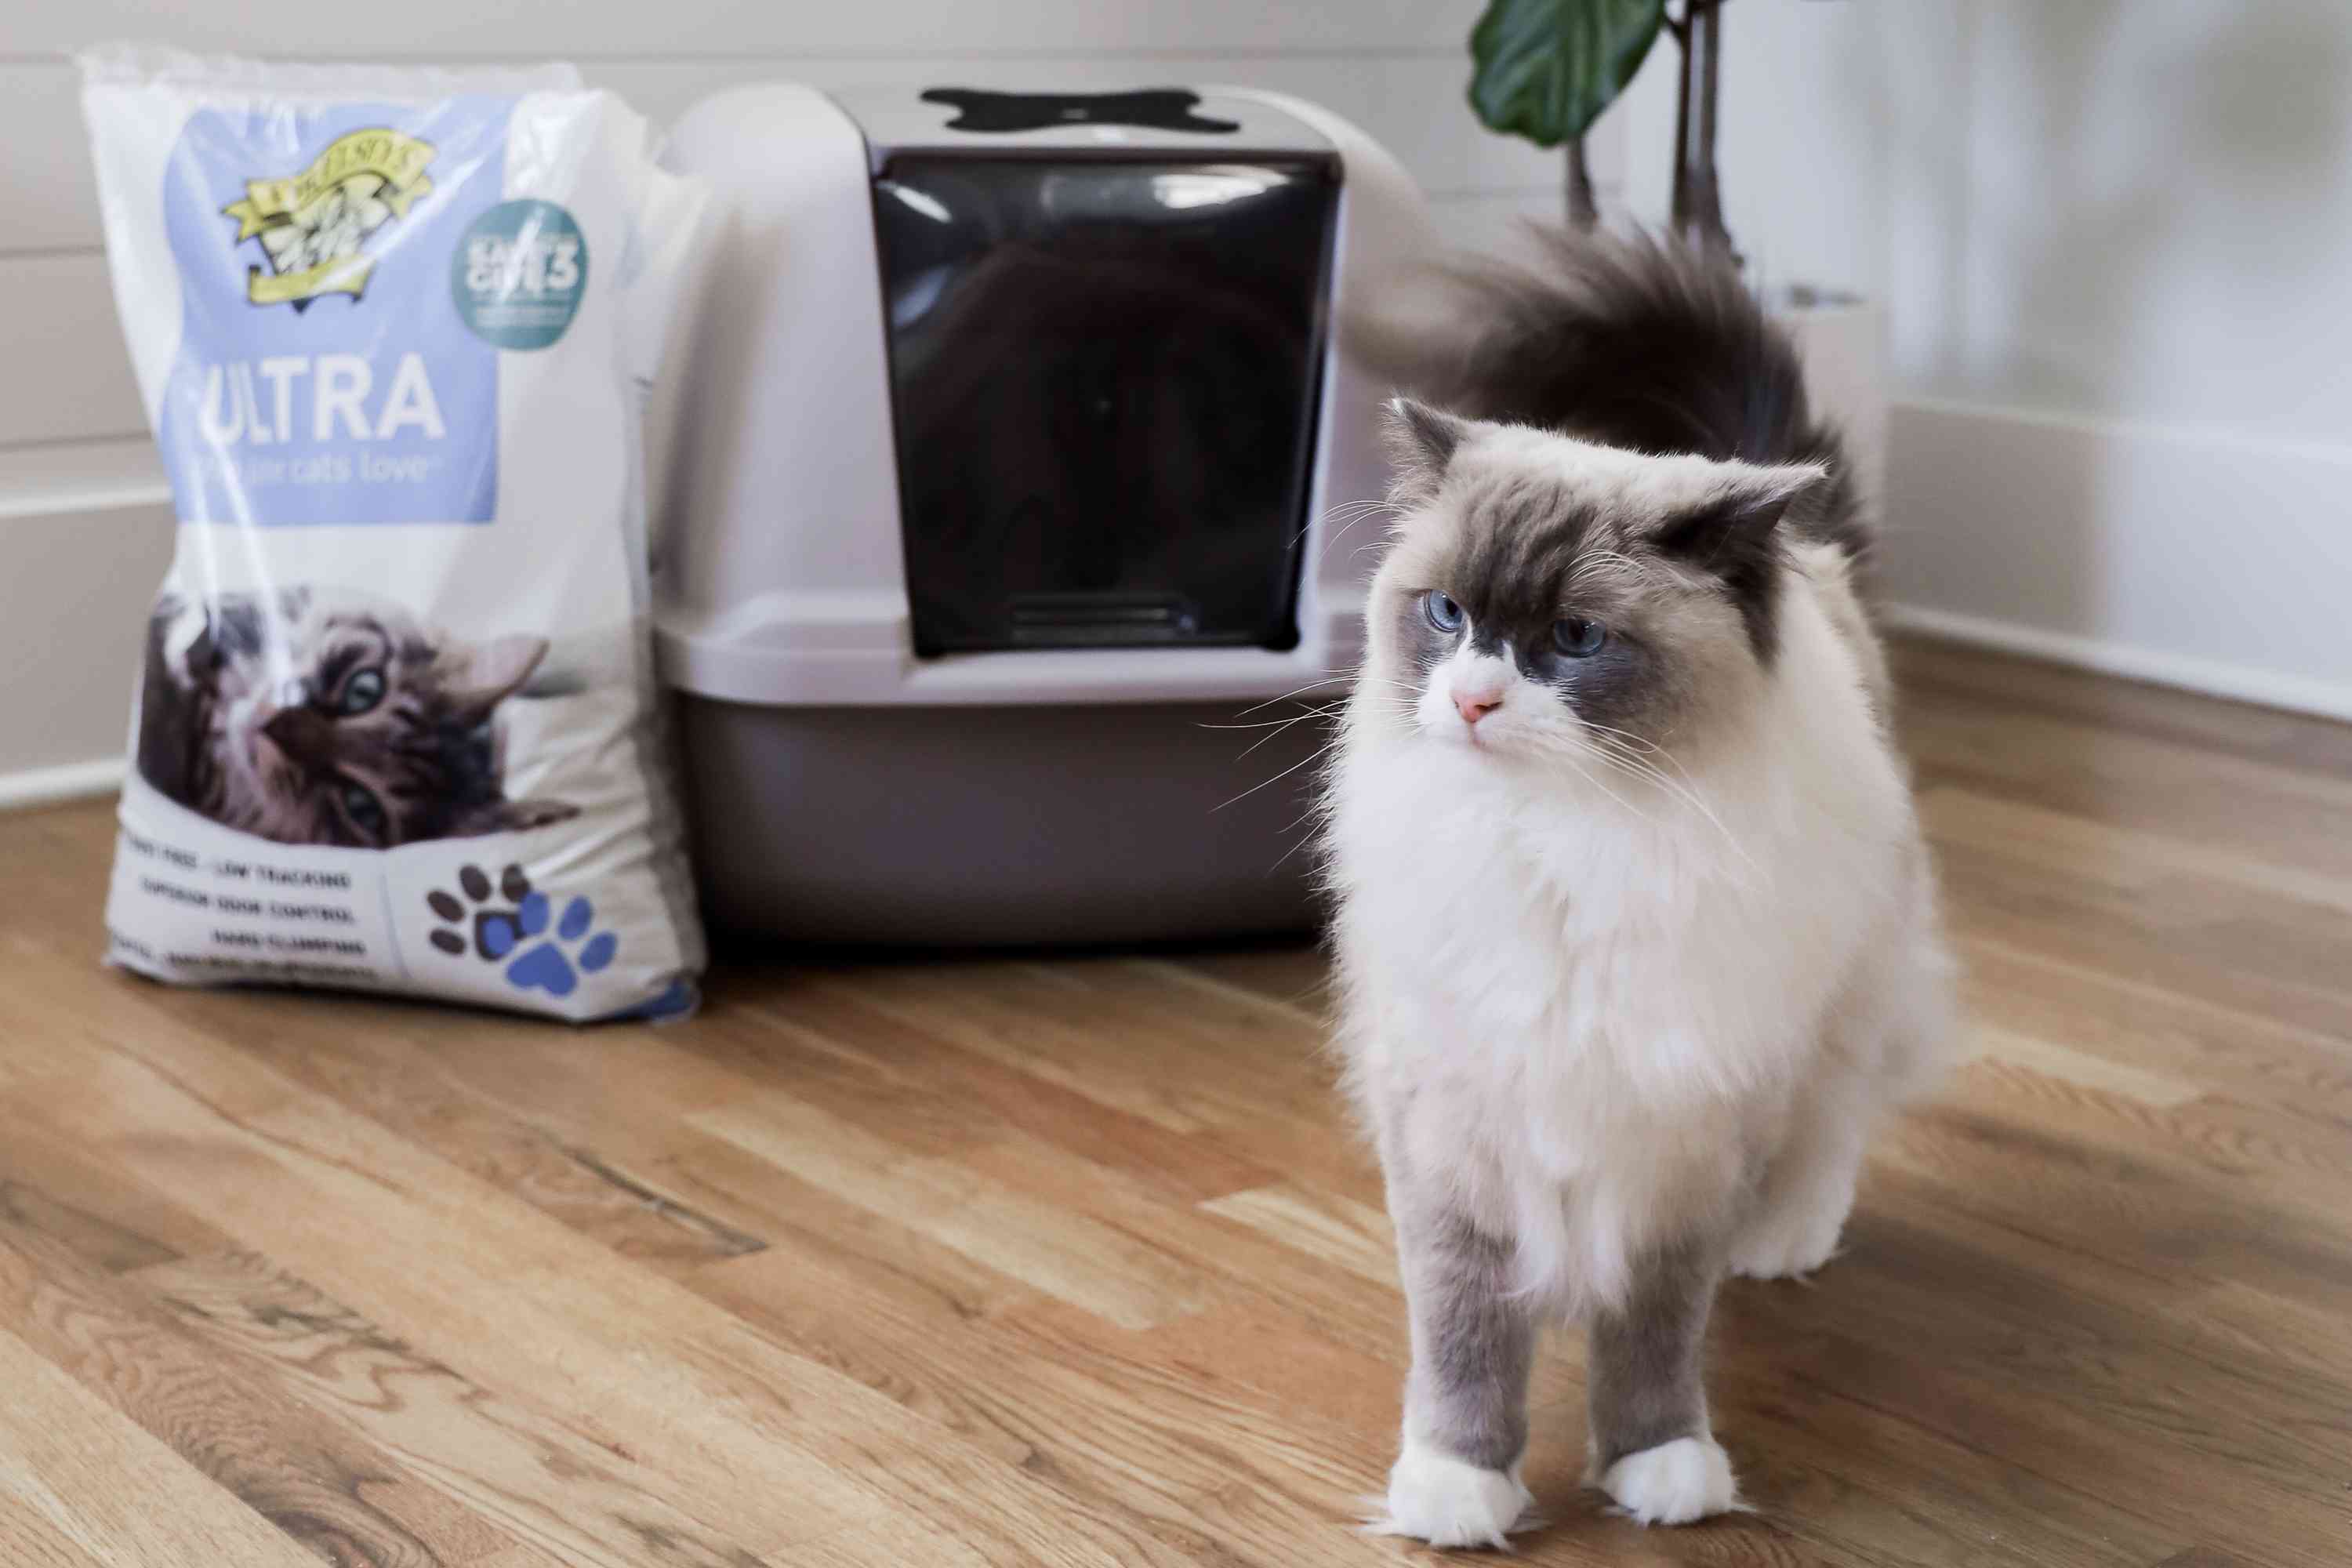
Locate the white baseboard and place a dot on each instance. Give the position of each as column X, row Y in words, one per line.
column 46, row 786
column 73, row 613
column 2269, row 689
column 47, row 482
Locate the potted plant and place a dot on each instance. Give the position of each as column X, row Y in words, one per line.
column 1546, row 69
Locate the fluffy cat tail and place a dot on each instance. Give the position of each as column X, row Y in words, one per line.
column 1634, row 342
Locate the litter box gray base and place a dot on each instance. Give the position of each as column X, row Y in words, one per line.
column 997, row 826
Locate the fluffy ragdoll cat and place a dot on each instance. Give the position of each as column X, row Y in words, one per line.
column 310, row 717
column 1637, row 934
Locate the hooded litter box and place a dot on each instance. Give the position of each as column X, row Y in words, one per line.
column 1012, row 453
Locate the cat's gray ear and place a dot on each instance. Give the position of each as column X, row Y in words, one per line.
column 1422, row 442
column 1744, row 516
column 477, row 677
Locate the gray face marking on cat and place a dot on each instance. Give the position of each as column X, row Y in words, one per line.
column 343, row 722
column 1676, row 559
column 1530, row 554
column 1642, row 1371
column 1534, row 556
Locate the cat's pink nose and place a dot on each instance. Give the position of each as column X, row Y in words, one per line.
column 1476, row 705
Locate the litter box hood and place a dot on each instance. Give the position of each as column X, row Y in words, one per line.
column 1012, row 459
column 1023, row 398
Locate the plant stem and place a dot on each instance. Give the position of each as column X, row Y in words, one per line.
column 1678, row 212
column 1710, row 53
column 1582, row 210
column 1697, row 214
column 1709, row 193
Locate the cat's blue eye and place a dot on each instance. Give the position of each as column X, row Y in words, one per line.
column 363, row 691
column 365, row 811
column 1577, row 638
column 1443, row 612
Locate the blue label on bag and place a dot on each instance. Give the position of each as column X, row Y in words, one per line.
column 324, row 374
column 518, row 276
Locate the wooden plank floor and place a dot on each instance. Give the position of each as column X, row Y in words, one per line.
column 1072, row 1261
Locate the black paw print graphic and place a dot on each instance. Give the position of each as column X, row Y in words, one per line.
column 493, row 932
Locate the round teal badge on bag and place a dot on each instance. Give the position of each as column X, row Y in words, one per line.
column 519, row 274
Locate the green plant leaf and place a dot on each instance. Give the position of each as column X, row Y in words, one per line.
column 1546, row 69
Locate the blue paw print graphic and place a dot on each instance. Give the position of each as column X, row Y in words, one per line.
column 546, row 967
column 518, row 934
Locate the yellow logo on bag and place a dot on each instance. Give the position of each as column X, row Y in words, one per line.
column 312, row 224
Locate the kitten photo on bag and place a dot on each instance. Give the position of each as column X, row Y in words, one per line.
column 309, row 717
column 1637, row 933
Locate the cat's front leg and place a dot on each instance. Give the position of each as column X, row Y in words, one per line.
column 1456, row 1481
column 1652, row 1452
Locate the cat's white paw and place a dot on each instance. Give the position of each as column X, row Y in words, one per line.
column 1445, row 1501
column 1673, row 1483
column 1786, row 1244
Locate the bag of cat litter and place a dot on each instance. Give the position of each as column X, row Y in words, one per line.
column 396, row 726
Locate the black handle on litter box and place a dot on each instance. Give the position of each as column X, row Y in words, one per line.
column 1153, row 109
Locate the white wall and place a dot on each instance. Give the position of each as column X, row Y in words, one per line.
column 2115, row 240
column 83, row 510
